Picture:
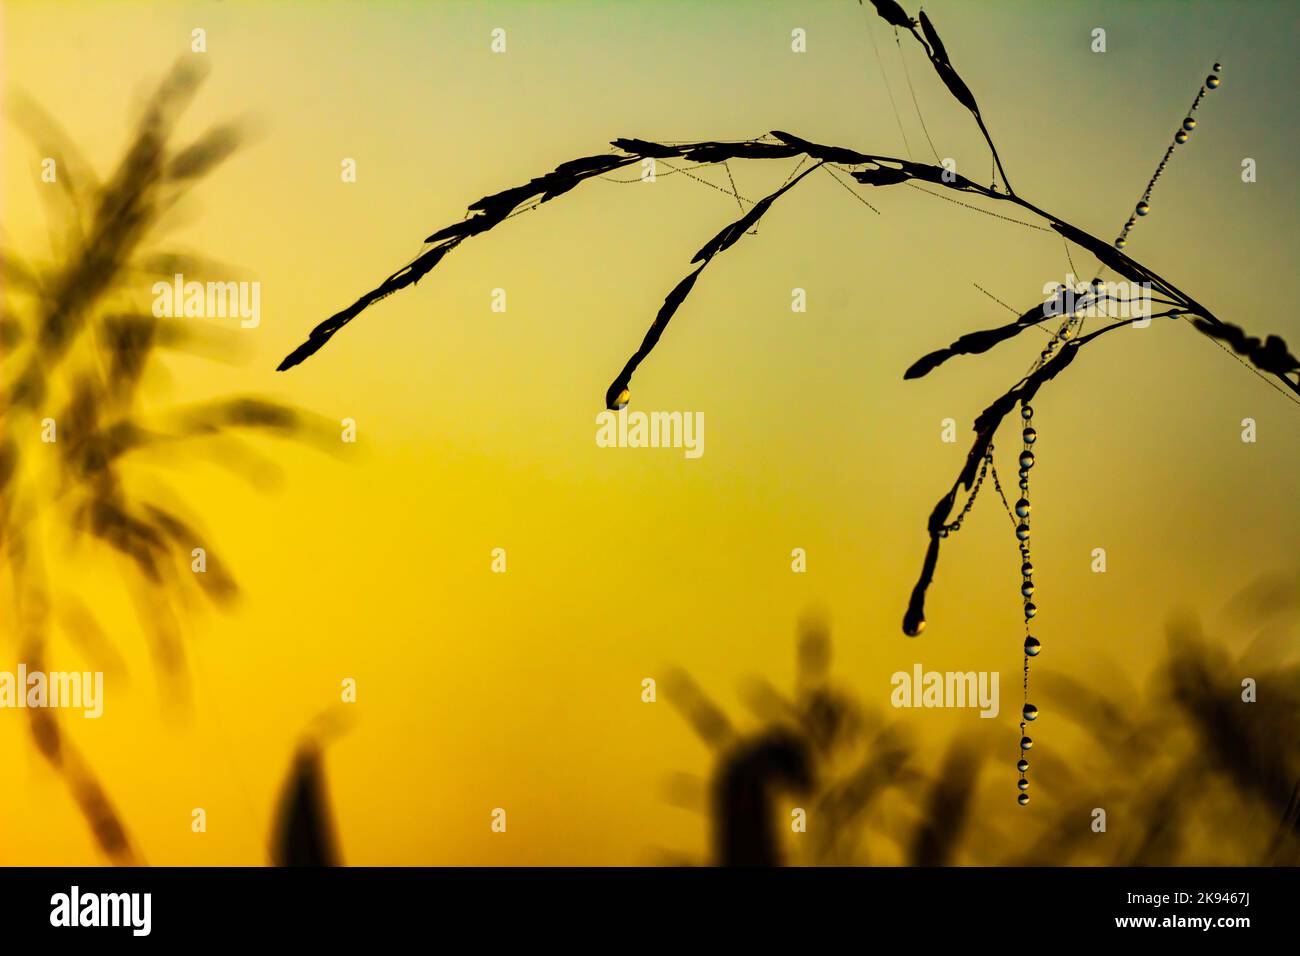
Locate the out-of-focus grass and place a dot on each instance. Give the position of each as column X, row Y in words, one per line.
column 80, row 341
column 1187, row 771
column 855, row 772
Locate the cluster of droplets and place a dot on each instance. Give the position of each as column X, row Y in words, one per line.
column 952, row 527
column 1028, row 712
column 1180, row 137
column 1073, row 307
column 913, row 628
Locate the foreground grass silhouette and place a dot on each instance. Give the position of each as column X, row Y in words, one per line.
column 1270, row 357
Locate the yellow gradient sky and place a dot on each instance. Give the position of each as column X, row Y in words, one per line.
column 476, row 429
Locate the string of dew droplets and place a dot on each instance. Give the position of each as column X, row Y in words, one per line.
column 1020, row 517
column 1029, row 436
column 1184, row 133
column 1028, row 711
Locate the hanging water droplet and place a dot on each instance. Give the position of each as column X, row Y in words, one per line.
column 1026, row 569
column 1143, row 208
column 624, row 397
column 1189, row 124
column 1032, row 646
column 1026, row 412
column 1030, row 712
column 1022, row 531
column 1024, row 484
column 1029, row 435
column 1022, row 799
column 1022, row 765
column 1022, row 784
column 1027, row 589
column 1180, row 136
column 1026, row 461
column 913, row 628
column 1212, row 81
column 1121, row 242
column 1218, row 68
column 1030, row 609
column 1022, row 508
column 1026, row 743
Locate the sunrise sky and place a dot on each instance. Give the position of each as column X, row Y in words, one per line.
column 476, row 429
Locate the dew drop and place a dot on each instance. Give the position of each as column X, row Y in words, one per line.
column 1218, row 68
column 1030, row 712
column 1030, row 609
column 624, row 397
column 1189, row 124
column 1143, row 208
column 1212, row 81
column 1029, row 435
column 1022, row 799
column 1022, row 531
column 1032, row 646
column 1027, row 589
column 1026, row 461
column 1022, row 783
column 1026, row 743
column 1026, row 411
column 1026, row 569
column 1024, row 484
column 913, row 628
column 1022, row 765
column 1120, row 242
column 1180, row 136
column 1022, row 508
